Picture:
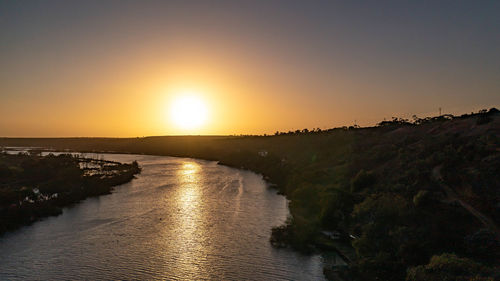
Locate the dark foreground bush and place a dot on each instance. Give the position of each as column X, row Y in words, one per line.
column 449, row 267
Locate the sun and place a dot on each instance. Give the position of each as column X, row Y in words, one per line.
column 189, row 112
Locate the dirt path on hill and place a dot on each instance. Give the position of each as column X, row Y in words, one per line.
column 453, row 197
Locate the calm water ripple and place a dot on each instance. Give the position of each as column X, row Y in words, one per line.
column 181, row 219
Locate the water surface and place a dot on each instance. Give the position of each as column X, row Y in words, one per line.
column 181, row 219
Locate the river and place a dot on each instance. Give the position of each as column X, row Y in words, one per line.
column 180, row 219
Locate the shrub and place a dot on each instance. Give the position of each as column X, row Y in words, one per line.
column 421, row 198
column 447, row 267
column 362, row 180
column 483, row 245
column 5, row 171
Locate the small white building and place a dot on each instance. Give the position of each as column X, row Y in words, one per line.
column 262, row 153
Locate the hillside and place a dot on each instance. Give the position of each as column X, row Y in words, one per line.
column 414, row 199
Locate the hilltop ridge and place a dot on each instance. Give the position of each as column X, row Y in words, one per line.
column 405, row 197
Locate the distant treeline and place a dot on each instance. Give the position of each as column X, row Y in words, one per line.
column 404, row 199
column 483, row 116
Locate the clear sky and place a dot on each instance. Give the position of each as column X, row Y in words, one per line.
column 114, row 68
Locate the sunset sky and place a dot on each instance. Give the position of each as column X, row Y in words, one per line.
column 116, row 68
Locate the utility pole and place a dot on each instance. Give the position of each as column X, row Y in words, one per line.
column 440, row 111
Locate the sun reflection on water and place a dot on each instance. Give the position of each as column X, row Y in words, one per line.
column 189, row 168
column 190, row 225
column 188, row 193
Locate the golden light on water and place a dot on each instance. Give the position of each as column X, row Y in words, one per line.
column 188, row 195
column 189, row 112
column 190, row 219
column 189, row 172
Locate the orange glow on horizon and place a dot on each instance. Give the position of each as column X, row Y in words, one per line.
column 117, row 72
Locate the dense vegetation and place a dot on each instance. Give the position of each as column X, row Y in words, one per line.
column 34, row 186
column 409, row 199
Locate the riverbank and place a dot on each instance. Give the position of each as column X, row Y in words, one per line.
column 33, row 186
column 373, row 186
column 181, row 218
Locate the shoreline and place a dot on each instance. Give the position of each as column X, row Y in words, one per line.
column 28, row 200
column 373, row 185
column 318, row 247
